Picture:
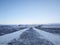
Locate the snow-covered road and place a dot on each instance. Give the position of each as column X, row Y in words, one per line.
column 55, row 39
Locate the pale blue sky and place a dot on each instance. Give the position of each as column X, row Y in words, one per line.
column 29, row 11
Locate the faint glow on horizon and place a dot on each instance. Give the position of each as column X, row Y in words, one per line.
column 26, row 22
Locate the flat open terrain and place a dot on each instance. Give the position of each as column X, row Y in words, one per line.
column 30, row 36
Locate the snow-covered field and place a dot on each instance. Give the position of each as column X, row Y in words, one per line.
column 51, row 26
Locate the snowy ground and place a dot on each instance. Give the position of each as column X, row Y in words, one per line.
column 8, row 37
column 55, row 39
column 51, row 37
